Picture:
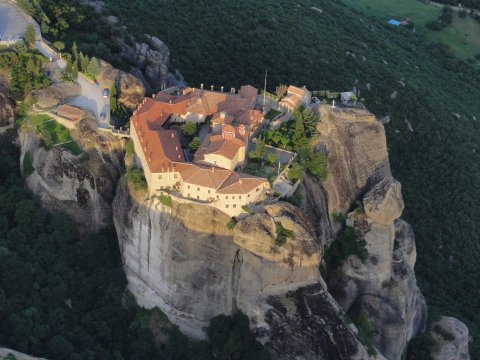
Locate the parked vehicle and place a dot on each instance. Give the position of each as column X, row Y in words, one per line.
column 106, row 92
column 103, row 115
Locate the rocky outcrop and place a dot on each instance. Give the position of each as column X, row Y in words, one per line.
column 18, row 355
column 382, row 287
column 384, row 203
column 259, row 233
column 7, row 107
column 150, row 60
column 356, row 145
column 81, row 186
column 306, row 324
column 184, row 260
column 130, row 89
column 452, row 339
column 55, row 94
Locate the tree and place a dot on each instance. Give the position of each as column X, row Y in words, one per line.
column 295, row 172
column 260, row 148
column 75, row 71
column 75, row 52
column 195, row 143
column 281, row 90
column 299, row 138
column 93, row 68
column 68, row 72
column 113, row 98
column 189, row 129
column 84, row 61
column 271, row 159
column 315, row 163
column 29, row 35
column 59, row 45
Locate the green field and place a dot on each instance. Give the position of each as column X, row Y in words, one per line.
column 462, row 36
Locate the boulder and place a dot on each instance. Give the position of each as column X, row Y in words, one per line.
column 129, row 88
column 258, row 234
column 384, row 203
column 452, row 338
column 56, row 94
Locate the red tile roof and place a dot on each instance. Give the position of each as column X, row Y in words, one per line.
column 216, row 144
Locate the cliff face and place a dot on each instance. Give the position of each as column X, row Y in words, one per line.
column 80, row 186
column 383, row 286
column 358, row 157
column 185, row 261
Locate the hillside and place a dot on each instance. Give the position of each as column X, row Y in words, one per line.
column 410, row 79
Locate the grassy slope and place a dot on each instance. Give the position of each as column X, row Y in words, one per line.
column 232, row 42
column 463, row 35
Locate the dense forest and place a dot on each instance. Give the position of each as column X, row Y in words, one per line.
column 398, row 72
column 63, row 296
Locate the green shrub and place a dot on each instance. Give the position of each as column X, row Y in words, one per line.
column 345, row 245
column 137, row 178
column 189, row 129
column 129, row 148
column 231, row 223
column 195, row 143
column 421, row 348
column 28, row 168
column 295, row 172
column 282, row 234
column 247, row 209
column 366, row 331
column 166, row 200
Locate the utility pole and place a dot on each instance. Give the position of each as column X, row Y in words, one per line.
column 264, row 91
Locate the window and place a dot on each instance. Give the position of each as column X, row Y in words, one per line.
column 159, row 176
column 240, row 196
column 188, row 195
column 188, row 187
column 198, row 197
column 209, row 191
column 233, row 197
column 198, row 189
column 174, row 176
column 226, row 206
column 226, row 197
column 248, row 195
column 218, row 196
column 257, row 190
column 234, row 205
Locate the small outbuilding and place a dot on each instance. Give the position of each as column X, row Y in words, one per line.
column 394, row 22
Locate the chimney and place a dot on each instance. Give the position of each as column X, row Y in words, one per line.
column 173, row 135
column 211, row 87
column 176, row 148
column 232, row 90
column 170, row 101
column 153, row 96
column 135, row 112
column 150, row 157
column 201, row 86
column 221, row 88
column 240, row 181
column 213, row 169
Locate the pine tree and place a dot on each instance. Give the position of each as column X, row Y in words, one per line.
column 84, row 61
column 93, row 68
column 113, row 98
column 30, row 35
column 74, row 71
column 68, row 72
column 75, row 52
